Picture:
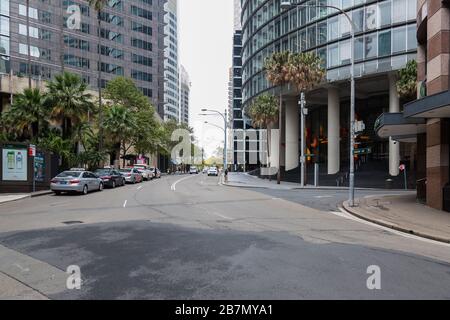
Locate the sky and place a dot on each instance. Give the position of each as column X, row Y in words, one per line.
column 205, row 50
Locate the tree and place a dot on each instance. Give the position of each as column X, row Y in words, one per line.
column 147, row 134
column 120, row 124
column 28, row 114
column 98, row 6
column 264, row 112
column 304, row 70
column 276, row 67
column 123, row 91
column 68, row 100
column 407, row 81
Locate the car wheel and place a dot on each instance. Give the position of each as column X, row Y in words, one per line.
column 58, row 193
column 100, row 187
column 114, row 184
column 85, row 190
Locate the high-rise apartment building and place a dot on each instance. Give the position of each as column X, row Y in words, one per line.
column 171, row 63
column 185, row 89
column 41, row 40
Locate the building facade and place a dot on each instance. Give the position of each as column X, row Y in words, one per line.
column 426, row 120
column 385, row 41
column 185, row 89
column 172, row 110
column 131, row 45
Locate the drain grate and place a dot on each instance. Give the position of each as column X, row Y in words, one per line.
column 72, row 222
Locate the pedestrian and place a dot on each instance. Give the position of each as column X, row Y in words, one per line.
column 226, row 175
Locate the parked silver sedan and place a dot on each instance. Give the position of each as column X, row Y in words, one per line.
column 132, row 175
column 76, row 181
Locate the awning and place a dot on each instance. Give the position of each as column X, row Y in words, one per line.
column 434, row 106
column 397, row 126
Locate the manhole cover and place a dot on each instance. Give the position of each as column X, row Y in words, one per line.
column 72, row 222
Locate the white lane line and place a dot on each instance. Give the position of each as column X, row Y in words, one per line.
column 343, row 214
column 125, row 203
column 173, row 187
column 139, row 188
column 221, row 216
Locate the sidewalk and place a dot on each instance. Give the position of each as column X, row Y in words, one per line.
column 403, row 213
column 8, row 197
column 244, row 180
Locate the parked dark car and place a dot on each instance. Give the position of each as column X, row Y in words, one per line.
column 111, row 178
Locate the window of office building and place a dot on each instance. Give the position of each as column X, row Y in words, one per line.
column 399, row 40
column 399, row 11
column 385, row 13
column 384, row 43
column 4, row 7
column 371, row 46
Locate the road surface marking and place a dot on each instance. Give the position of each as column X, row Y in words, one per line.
column 323, row 197
column 21, row 268
column 344, row 214
column 221, row 215
column 173, row 187
column 139, row 188
column 125, row 203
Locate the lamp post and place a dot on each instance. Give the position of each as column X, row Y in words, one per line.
column 224, row 116
column 285, row 5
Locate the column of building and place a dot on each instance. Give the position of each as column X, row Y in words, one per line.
column 438, row 29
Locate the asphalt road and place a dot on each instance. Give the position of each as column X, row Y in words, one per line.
column 187, row 237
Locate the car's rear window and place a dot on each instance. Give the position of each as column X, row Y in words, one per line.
column 69, row 174
column 105, row 171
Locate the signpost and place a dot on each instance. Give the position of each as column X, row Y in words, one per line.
column 32, row 153
column 403, row 168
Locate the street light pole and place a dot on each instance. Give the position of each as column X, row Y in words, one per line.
column 302, row 103
column 287, row 5
column 224, row 116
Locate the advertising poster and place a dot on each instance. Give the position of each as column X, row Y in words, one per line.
column 39, row 167
column 15, row 164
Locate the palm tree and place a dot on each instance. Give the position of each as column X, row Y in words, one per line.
column 264, row 112
column 276, row 68
column 98, row 6
column 28, row 113
column 304, row 70
column 119, row 124
column 68, row 100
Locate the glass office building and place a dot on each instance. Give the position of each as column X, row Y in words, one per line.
column 385, row 41
column 46, row 37
column 172, row 110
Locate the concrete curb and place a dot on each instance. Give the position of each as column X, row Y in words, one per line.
column 40, row 193
column 389, row 225
column 31, row 195
column 307, row 188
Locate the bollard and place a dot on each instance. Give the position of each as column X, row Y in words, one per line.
column 316, row 175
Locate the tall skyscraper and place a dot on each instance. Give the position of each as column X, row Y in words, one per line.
column 185, row 88
column 171, row 64
column 48, row 36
